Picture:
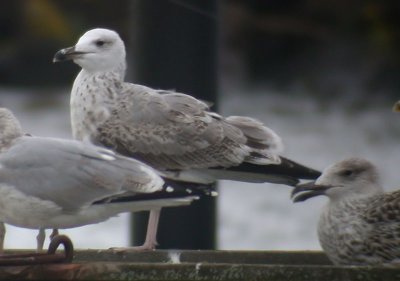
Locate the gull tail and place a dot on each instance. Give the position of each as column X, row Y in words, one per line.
column 286, row 172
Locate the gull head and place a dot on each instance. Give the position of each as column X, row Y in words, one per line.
column 350, row 178
column 98, row 50
column 10, row 128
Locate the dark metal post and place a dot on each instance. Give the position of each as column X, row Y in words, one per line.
column 174, row 46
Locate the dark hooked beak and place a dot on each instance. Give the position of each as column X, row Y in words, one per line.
column 307, row 191
column 66, row 54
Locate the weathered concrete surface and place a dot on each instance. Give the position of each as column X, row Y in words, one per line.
column 198, row 265
column 230, row 257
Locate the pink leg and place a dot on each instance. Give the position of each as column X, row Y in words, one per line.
column 40, row 239
column 151, row 236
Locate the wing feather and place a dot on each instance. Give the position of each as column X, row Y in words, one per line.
column 70, row 173
column 383, row 241
column 170, row 130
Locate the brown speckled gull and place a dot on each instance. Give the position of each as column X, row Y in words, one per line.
column 360, row 225
column 172, row 132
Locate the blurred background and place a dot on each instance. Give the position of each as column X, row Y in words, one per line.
column 322, row 74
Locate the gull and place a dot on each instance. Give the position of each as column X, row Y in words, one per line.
column 360, row 225
column 396, row 106
column 51, row 183
column 172, row 132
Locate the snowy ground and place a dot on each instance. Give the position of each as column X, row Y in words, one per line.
column 261, row 216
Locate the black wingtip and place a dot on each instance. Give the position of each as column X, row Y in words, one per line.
column 297, row 170
column 189, row 188
column 286, row 169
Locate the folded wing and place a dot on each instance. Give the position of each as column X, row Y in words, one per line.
column 170, row 130
column 72, row 174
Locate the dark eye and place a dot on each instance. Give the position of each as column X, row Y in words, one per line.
column 100, row 43
column 346, row 173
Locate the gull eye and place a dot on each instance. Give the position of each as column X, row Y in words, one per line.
column 100, row 43
column 346, row 173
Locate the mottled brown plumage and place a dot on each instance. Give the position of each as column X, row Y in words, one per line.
column 360, row 224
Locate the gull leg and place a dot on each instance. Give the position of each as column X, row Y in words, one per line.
column 150, row 242
column 40, row 239
column 53, row 233
column 2, row 236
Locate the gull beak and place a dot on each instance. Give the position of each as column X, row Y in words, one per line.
column 66, row 54
column 307, row 191
column 396, row 107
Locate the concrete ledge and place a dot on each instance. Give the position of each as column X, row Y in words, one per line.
column 192, row 256
column 198, row 265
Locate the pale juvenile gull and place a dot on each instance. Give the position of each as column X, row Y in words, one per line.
column 360, row 225
column 56, row 183
column 172, row 132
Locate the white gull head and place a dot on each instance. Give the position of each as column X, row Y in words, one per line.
column 98, row 50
